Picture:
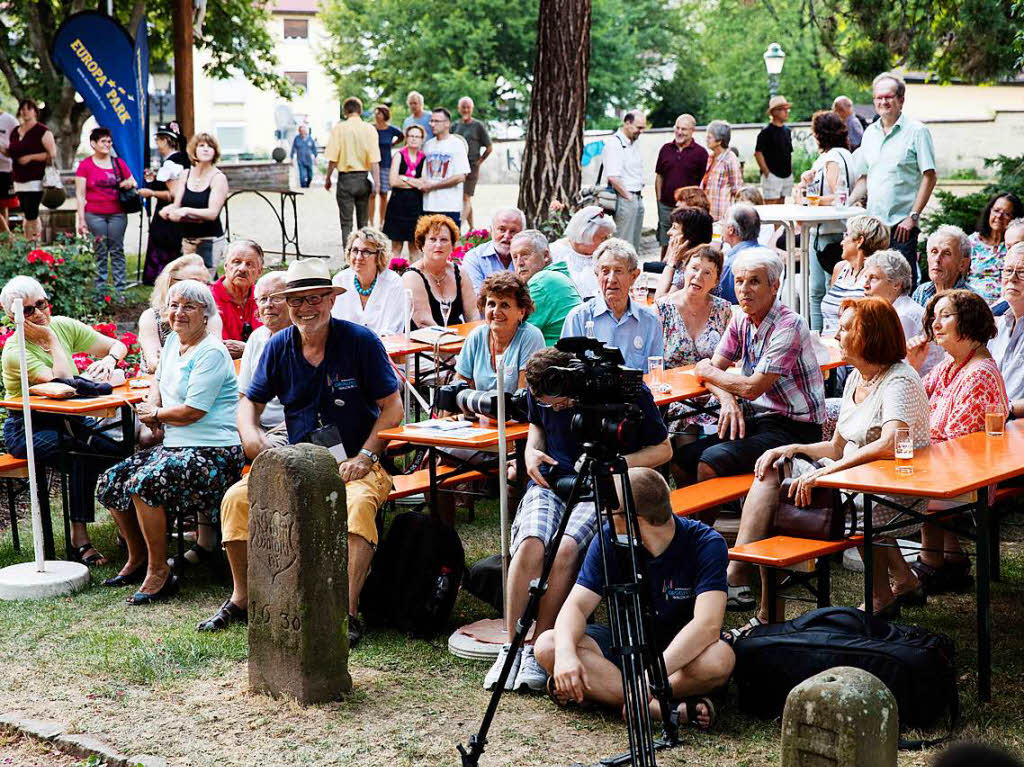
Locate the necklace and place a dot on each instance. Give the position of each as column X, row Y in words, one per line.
column 948, row 379
column 874, row 379
column 364, row 291
column 438, row 281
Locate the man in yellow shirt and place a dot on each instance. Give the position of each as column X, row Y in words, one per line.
column 354, row 150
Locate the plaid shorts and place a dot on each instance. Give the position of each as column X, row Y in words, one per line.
column 541, row 511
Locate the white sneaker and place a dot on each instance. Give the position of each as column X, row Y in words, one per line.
column 491, row 680
column 530, row 672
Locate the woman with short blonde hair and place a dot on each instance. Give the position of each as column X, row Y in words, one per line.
column 373, row 297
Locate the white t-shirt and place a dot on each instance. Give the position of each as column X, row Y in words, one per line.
column 7, row 124
column 384, row 311
column 273, row 413
column 622, row 159
column 581, row 268
column 445, row 158
column 820, row 185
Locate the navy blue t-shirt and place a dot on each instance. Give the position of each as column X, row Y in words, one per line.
column 694, row 562
column 561, row 445
column 343, row 389
column 386, row 139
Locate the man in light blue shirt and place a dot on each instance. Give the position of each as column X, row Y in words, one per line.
column 896, row 165
column 616, row 318
column 1007, row 348
column 495, row 255
column 417, row 116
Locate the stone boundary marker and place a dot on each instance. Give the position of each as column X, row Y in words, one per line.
column 298, row 575
column 80, row 745
column 842, row 717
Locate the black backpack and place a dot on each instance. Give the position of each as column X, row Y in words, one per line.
column 416, row 575
column 916, row 665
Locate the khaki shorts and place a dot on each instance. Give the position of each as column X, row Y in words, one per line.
column 469, row 185
column 363, row 497
column 773, row 187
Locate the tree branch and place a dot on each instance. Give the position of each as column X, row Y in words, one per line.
column 40, row 40
column 7, row 67
column 138, row 10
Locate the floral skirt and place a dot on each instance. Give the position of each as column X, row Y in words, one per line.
column 177, row 478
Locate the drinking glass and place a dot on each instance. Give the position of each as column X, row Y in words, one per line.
column 446, row 311
column 995, row 419
column 639, row 290
column 590, row 329
column 904, row 450
column 656, row 367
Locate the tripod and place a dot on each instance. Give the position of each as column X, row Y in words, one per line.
column 629, row 615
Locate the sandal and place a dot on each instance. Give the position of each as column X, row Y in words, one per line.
column 228, row 613
column 168, row 590
column 93, row 560
column 549, row 687
column 689, row 707
column 731, row 636
column 953, row 577
column 741, row 599
column 203, row 556
column 138, row 575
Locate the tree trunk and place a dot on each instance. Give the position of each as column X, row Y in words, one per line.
column 558, row 107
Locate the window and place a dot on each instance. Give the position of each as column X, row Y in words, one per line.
column 296, row 29
column 301, row 79
column 231, row 138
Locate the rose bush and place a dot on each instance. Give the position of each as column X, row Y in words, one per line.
column 66, row 270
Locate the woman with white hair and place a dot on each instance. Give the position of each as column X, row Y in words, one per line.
column 194, row 403
column 374, row 296
column 50, row 344
column 723, row 177
column 586, row 230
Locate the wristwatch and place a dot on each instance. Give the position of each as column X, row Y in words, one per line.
column 374, row 458
column 915, row 216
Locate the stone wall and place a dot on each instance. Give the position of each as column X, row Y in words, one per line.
column 959, row 145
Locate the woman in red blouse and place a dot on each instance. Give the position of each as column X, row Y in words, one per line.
column 961, row 389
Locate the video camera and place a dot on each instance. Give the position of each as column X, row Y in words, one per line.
column 458, row 397
column 598, row 374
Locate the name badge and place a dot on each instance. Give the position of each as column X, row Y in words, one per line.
column 638, row 343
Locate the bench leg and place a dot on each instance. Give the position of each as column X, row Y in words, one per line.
column 771, row 585
column 824, row 572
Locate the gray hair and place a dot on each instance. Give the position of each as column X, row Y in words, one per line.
column 744, row 219
column 620, row 249
column 901, row 87
column 1016, row 222
column 955, row 233
column 872, row 230
column 237, row 245
column 19, row 288
column 538, row 242
column 721, row 131
column 894, row 266
column 193, row 290
column 1016, row 250
column 509, row 211
column 378, row 238
column 587, row 223
column 274, row 275
column 760, row 258
column 843, row 101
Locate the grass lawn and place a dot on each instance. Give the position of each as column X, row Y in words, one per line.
column 145, row 681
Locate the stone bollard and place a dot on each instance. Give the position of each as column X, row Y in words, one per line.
column 843, row 717
column 298, row 575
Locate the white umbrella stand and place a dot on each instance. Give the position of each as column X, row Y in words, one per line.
column 41, row 578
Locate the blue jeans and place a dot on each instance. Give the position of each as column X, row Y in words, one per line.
column 50, row 435
column 818, row 279
column 108, row 235
column 305, row 174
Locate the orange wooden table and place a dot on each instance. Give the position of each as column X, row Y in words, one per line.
column 398, row 346
column 946, row 470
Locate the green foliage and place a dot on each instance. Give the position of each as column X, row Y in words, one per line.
column 965, row 174
column 65, row 269
column 963, row 211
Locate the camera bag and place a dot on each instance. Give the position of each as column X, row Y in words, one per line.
column 916, row 665
column 415, row 577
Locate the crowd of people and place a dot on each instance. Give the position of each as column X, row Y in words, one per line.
column 932, row 359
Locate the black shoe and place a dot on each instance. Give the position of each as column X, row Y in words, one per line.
column 355, row 631
column 228, row 613
column 168, row 590
column 138, row 575
column 203, row 556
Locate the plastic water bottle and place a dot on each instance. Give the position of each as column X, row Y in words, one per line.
column 590, row 328
column 842, row 192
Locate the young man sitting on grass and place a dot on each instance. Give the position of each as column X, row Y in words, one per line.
column 686, row 569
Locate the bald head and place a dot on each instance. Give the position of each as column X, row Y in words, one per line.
column 842, row 106
column 466, row 108
column 683, row 130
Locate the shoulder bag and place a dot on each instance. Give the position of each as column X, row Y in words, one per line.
column 128, row 199
column 821, row 520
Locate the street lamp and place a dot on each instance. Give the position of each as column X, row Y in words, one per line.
column 161, row 92
column 774, row 58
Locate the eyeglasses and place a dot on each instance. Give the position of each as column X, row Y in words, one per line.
column 272, row 300
column 362, row 253
column 315, row 300
column 1014, row 274
column 38, row 306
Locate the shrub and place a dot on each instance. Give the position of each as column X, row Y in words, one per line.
column 963, row 211
column 65, row 269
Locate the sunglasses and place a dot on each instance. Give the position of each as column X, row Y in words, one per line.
column 38, row 306
column 296, row 301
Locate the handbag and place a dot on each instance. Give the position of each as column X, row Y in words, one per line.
column 831, row 253
column 818, row 521
column 606, row 196
column 128, row 199
column 54, row 194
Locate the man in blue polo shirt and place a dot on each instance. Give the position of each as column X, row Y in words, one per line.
column 338, row 389
column 616, row 319
column 552, row 451
column 686, row 566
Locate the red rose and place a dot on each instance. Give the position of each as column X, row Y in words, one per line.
column 107, row 299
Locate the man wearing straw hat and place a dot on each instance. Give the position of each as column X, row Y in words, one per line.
column 774, row 153
column 339, row 390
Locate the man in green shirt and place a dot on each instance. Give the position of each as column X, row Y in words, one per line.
column 552, row 289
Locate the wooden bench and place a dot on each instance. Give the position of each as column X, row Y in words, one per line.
column 692, row 499
column 14, row 471
column 802, row 556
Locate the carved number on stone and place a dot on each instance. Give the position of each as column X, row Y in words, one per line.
column 264, row 615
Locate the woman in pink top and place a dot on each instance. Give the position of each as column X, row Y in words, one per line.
column 97, row 181
column 961, row 389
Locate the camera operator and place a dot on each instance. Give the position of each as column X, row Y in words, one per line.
column 686, row 568
column 552, row 452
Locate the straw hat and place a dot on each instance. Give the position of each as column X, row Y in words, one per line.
column 776, row 102
column 309, row 274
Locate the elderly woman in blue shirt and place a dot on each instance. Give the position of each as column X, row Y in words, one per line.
column 194, row 403
column 616, row 318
